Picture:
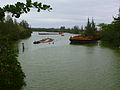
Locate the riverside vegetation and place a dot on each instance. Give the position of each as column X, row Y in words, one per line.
column 110, row 33
column 11, row 74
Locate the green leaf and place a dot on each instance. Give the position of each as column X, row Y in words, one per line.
column 17, row 15
column 24, row 9
column 38, row 10
column 35, row 4
column 29, row 2
column 28, row 9
column 40, row 4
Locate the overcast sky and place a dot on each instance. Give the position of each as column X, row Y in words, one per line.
column 70, row 12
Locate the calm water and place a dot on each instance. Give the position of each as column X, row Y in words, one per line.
column 61, row 66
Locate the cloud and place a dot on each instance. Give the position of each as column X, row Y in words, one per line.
column 70, row 12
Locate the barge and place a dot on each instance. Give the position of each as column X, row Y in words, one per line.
column 48, row 33
column 83, row 39
column 46, row 40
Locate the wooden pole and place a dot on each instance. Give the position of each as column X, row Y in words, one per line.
column 23, row 47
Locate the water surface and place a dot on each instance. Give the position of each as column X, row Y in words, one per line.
column 61, row 66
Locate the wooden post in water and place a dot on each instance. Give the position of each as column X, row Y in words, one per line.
column 23, row 47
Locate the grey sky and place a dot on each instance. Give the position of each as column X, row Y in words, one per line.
column 70, row 12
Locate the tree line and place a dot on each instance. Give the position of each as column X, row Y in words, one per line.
column 75, row 29
column 89, row 29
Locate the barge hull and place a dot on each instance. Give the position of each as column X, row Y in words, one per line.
column 78, row 41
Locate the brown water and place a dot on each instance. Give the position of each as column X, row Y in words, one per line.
column 61, row 66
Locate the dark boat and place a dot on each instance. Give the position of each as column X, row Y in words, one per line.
column 83, row 39
column 52, row 33
column 46, row 40
column 48, row 33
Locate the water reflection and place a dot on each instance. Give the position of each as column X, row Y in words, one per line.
column 87, row 44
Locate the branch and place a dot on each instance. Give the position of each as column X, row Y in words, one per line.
column 20, row 8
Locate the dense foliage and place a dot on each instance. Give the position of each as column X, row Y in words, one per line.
column 11, row 74
column 111, row 32
column 90, row 28
column 13, row 30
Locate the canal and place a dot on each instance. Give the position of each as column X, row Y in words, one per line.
column 62, row 66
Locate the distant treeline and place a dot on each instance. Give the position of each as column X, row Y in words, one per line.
column 11, row 74
column 88, row 30
column 75, row 29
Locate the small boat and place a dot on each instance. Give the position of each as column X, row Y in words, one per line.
column 52, row 33
column 62, row 35
column 83, row 39
column 48, row 33
column 46, row 40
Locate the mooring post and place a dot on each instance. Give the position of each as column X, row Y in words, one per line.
column 23, row 47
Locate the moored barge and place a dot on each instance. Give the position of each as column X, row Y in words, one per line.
column 83, row 39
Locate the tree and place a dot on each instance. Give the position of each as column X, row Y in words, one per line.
column 111, row 32
column 24, row 24
column 15, row 22
column 81, row 28
column 90, row 28
column 9, row 19
column 62, row 28
column 20, row 8
column 76, row 29
column 93, row 26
